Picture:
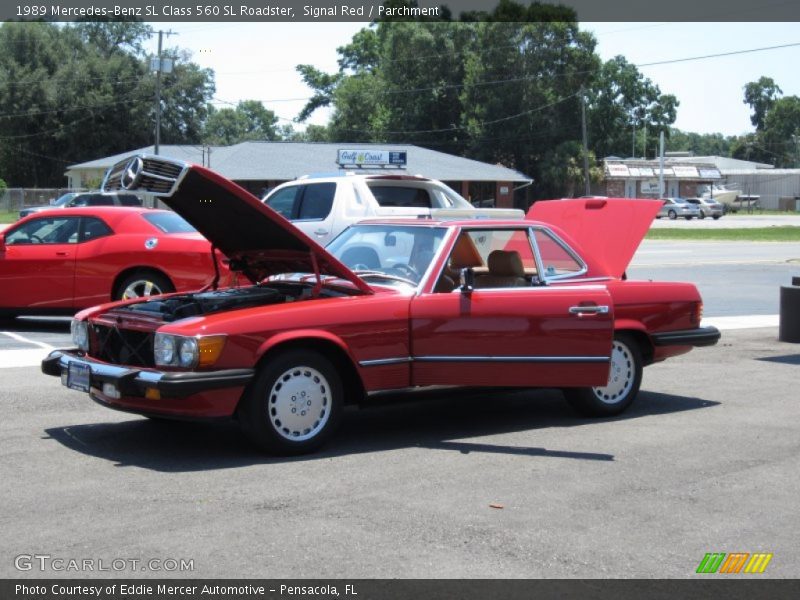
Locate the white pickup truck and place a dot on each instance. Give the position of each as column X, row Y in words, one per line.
column 322, row 207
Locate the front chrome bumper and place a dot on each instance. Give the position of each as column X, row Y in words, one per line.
column 134, row 381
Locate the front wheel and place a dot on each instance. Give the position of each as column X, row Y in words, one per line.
column 702, row 214
column 294, row 404
column 672, row 215
column 625, row 377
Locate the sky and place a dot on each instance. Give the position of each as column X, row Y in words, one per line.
column 256, row 61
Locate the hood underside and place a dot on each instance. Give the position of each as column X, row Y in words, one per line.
column 607, row 229
column 257, row 240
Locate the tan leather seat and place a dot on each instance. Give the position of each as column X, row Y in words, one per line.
column 505, row 270
column 463, row 255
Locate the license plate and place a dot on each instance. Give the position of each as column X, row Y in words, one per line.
column 78, row 376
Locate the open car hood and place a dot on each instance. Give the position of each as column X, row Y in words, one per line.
column 607, row 229
column 257, row 240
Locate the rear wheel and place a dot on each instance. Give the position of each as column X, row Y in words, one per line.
column 294, row 404
column 688, row 217
column 625, row 377
column 143, row 284
column 715, row 217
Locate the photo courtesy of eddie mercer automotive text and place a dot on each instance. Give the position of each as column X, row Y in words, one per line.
column 541, row 300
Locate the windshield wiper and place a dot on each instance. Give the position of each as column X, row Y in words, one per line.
column 381, row 274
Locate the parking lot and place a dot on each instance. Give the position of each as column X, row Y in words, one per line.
column 440, row 484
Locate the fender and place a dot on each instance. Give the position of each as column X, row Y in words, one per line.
column 302, row 335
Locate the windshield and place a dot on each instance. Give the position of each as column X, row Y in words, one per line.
column 390, row 253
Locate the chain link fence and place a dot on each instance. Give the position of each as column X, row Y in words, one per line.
column 12, row 199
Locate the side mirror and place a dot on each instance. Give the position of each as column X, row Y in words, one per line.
column 390, row 241
column 467, row 280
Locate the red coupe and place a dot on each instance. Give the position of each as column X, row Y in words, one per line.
column 59, row 261
column 387, row 305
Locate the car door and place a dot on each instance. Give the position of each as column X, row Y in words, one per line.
column 94, row 266
column 516, row 331
column 37, row 268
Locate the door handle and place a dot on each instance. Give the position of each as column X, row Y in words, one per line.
column 321, row 232
column 588, row 310
column 62, row 253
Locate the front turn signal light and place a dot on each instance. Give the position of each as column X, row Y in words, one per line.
column 208, row 349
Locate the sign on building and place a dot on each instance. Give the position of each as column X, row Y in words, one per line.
column 371, row 158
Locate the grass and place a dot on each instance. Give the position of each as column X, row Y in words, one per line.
column 8, row 216
column 744, row 234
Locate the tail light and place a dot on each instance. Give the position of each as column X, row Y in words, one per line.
column 697, row 313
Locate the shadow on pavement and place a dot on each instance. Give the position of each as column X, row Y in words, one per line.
column 441, row 422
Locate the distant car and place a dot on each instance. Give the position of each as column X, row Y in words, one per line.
column 62, row 260
column 323, row 206
column 707, row 207
column 678, row 207
column 76, row 199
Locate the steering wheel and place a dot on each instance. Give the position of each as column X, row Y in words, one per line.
column 35, row 238
column 406, row 271
column 360, row 267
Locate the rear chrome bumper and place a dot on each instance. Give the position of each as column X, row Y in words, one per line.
column 702, row 336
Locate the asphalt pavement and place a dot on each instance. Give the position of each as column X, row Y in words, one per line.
column 452, row 484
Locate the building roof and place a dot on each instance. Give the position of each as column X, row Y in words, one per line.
column 264, row 161
column 725, row 163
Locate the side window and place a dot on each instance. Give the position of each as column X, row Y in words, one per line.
column 94, row 228
column 557, row 261
column 100, row 200
column 129, row 200
column 499, row 258
column 79, row 201
column 317, row 201
column 283, row 201
column 48, row 230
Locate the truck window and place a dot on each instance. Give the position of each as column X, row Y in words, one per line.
column 317, row 201
column 394, row 195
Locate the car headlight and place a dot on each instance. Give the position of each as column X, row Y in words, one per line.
column 187, row 352
column 80, row 334
column 164, row 349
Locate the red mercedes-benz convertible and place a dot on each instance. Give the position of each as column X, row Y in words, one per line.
column 388, row 305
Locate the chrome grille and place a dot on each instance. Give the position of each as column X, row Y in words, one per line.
column 153, row 174
column 125, row 347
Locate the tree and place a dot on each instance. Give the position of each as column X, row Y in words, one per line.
column 623, row 101
column 250, row 120
column 75, row 92
column 761, row 95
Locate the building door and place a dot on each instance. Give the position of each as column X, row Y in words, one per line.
column 630, row 188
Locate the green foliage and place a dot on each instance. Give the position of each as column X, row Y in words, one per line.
column 74, row 92
column 250, row 120
column 705, row 144
column 3, row 185
column 760, row 95
column 777, row 121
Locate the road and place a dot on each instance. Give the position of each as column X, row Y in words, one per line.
column 491, row 484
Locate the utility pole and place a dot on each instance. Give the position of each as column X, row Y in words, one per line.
column 661, row 165
column 585, row 144
column 159, row 67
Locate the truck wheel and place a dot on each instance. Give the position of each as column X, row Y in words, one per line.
column 624, row 380
column 294, row 404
